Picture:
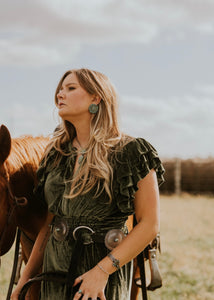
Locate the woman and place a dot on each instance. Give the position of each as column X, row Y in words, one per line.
column 92, row 178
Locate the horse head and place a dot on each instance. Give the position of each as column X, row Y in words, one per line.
column 6, row 236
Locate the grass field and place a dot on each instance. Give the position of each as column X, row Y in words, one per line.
column 187, row 260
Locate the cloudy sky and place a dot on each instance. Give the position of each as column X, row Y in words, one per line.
column 158, row 53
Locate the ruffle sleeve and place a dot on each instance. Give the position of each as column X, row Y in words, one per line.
column 133, row 163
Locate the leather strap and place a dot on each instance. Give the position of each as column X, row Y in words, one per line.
column 15, row 262
column 140, row 261
column 61, row 277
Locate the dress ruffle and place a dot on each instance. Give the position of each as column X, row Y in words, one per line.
column 131, row 165
column 134, row 162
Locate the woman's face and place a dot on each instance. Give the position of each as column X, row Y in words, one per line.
column 73, row 100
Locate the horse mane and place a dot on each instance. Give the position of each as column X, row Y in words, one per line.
column 26, row 150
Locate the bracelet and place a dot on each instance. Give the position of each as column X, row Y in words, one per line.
column 115, row 262
column 101, row 268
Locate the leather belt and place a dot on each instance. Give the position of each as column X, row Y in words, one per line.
column 62, row 231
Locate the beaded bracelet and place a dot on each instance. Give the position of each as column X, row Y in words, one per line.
column 101, row 268
column 115, row 262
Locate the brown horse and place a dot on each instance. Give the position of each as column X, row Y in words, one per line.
column 19, row 160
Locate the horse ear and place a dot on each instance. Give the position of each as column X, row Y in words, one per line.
column 5, row 143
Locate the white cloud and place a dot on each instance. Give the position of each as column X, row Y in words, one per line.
column 19, row 52
column 53, row 31
column 28, row 119
column 177, row 126
column 207, row 89
column 206, row 28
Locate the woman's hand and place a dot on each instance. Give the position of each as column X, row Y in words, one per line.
column 17, row 290
column 92, row 285
column 15, row 295
column 36, row 258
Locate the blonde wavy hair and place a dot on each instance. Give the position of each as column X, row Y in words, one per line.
column 105, row 136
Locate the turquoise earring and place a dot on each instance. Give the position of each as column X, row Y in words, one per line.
column 93, row 108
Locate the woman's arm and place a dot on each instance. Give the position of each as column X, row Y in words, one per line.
column 148, row 217
column 147, row 214
column 36, row 258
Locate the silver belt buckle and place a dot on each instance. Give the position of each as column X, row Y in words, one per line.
column 60, row 230
column 113, row 238
column 83, row 227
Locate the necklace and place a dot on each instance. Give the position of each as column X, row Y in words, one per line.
column 82, row 152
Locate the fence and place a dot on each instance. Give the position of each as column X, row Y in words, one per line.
column 195, row 176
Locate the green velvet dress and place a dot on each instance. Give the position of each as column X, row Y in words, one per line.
column 132, row 164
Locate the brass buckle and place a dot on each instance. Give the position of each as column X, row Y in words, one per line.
column 83, row 227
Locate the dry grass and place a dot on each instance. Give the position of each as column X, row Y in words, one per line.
column 187, row 260
column 5, row 273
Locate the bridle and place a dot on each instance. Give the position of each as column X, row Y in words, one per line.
column 14, row 203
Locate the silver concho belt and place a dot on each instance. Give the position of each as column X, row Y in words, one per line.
column 113, row 238
column 61, row 232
